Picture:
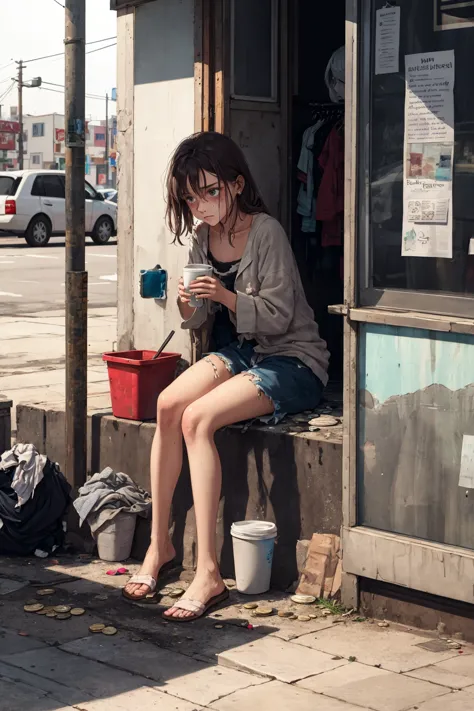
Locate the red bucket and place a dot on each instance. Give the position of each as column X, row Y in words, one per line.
column 136, row 380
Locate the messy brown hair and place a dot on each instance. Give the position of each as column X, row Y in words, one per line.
column 216, row 154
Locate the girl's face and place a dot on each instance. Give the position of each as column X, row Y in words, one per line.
column 213, row 202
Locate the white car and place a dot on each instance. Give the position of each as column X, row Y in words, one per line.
column 32, row 205
column 108, row 193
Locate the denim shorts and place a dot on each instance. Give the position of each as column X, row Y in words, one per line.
column 287, row 382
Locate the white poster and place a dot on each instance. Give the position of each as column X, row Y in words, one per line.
column 466, row 476
column 428, row 155
column 387, row 40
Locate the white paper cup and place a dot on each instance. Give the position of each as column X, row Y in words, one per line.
column 253, row 543
column 192, row 272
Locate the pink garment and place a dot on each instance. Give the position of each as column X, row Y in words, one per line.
column 330, row 200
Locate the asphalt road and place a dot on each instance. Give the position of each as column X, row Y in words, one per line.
column 32, row 279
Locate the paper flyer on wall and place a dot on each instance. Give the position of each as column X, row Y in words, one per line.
column 428, row 155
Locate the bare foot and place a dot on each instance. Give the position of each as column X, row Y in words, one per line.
column 155, row 559
column 204, row 586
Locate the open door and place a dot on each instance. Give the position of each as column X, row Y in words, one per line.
column 251, row 90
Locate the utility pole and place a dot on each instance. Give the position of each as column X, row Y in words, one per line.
column 21, row 66
column 76, row 275
column 107, row 140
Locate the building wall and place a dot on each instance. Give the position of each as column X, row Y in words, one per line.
column 41, row 144
column 163, row 114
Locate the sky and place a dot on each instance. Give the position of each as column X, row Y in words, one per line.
column 35, row 28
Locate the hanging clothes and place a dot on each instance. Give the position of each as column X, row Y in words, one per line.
column 306, row 196
column 330, row 199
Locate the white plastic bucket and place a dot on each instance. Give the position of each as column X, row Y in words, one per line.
column 253, row 543
column 115, row 538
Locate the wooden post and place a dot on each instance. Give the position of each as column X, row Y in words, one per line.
column 76, row 276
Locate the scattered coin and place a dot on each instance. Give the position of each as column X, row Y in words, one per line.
column 304, row 618
column 109, row 631
column 285, row 613
column 263, row 611
column 51, row 614
column 46, row 591
column 44, row 611
column 218, row 627
column 303, row 599
column 313, row 617
column 383, row 624
column 454, row 645
column 61, row 609
column 97, row 627
column 63, row 615
column 33, row 608
column 250, row 605
column 324, row 421
column 101, row 597
column 77, row 611
column 326, row 613
column 176, row 592
column 135, row 638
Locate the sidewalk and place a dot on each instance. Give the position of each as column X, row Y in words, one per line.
column 32, row 357
column 326, row 663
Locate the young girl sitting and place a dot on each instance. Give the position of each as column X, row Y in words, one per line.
column 267, row 357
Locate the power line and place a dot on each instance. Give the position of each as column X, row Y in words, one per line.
column 61, row 91
column 5, row 94
column 61, row 86
column 101, row 48
column 60, row 4
column 61, row 54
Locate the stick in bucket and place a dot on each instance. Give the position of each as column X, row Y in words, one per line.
column 163, row 345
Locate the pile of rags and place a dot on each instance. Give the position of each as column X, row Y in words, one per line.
column 34, row 497
column 107, row 494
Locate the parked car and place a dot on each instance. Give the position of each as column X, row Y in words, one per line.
column 32, row 205
column 108, row 193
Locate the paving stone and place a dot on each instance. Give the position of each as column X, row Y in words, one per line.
column 56, row 690
column 443, row 677
column 11, row 643
column 8, row 586
column 20, row 697
column 453, row 701
column 276, row 696
column 277, row 659
column 393, row 649
column 95, row 679
column 180, row 675
column 366, row 686
column 145, row 699
column 461, row 664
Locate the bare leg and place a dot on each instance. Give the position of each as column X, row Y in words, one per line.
column 167, row 457
column 233, row 401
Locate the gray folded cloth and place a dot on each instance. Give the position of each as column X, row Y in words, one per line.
column 107, row 494
column 29, row 470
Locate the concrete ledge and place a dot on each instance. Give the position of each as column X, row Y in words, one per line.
column 5, row 424
column 292, row 479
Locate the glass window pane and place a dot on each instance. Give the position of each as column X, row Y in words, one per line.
column 53, row 186
column 420, row 32
column 253, row 59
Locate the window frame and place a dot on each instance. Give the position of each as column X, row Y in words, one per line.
column 34, row 126
column 444, row 304
column 274, row 98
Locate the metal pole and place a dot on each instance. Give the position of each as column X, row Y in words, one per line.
column 20, row 114
column 107, row 140
column 76, row 276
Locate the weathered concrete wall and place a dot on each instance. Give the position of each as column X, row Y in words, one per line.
column 163, row 116
column 416, row 394
column 292, row 480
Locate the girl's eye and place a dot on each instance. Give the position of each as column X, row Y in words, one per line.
column 214, row 192
column 190, row 199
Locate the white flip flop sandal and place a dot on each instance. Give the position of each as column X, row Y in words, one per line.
column 140, row 579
